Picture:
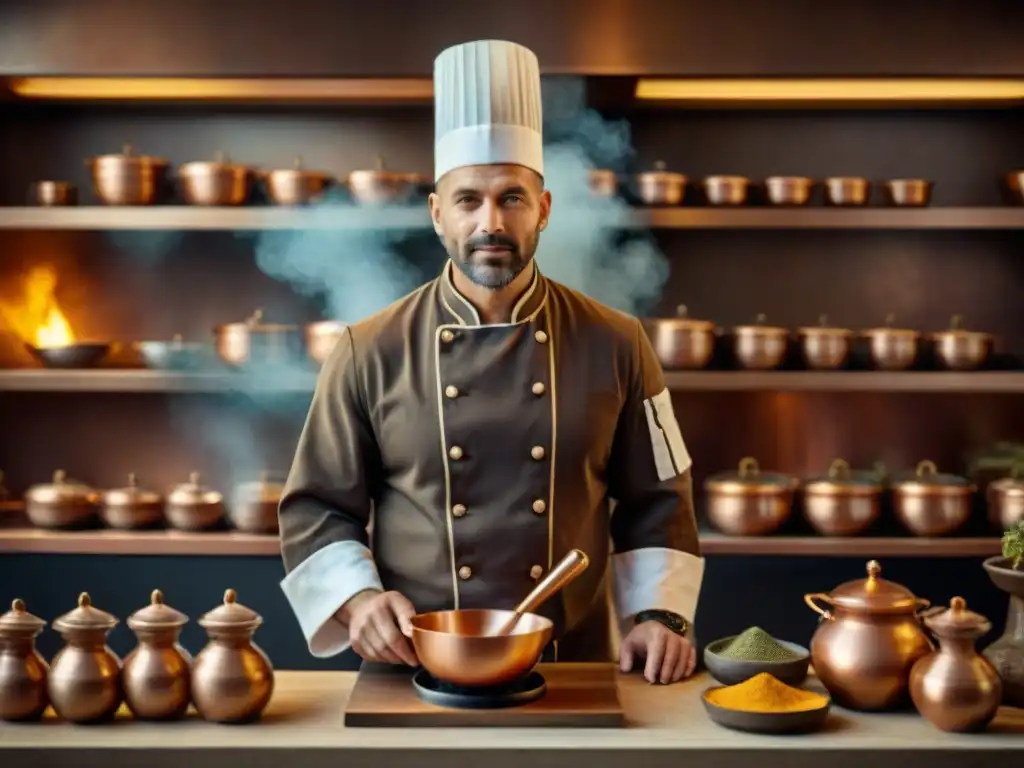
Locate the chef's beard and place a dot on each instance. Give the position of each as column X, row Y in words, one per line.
column 494, row 270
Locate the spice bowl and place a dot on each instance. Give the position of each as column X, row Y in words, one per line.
column 731, row 671
column 784, row 721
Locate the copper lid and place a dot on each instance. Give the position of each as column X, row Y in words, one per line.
column 659, row 174
column 61, row 491
column 760, row 327
column 131, row 495
column 157, row 615
column 749, row 478
column 127, row 156
column 254, row 324
column 889, row 330
column 85, row 616
column 230, row 615
column 193, row 493
column 221, row 162
column 1011, row 485
column 298, row 170
column 20, row 620
column 956, row 330
column 262, row 490
column 873, row 594
column 380, row 173
column 957, row 621
column 927, row 480
column 683, row 321
column 841, row 479
column 824, row 329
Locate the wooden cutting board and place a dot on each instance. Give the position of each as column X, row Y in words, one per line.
column 578, row 696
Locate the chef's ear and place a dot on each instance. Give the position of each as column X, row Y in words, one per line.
column 434, row 204
column 545, row 209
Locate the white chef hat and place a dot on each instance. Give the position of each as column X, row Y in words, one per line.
column 487, row 107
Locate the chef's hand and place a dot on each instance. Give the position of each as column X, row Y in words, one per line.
column 379, row 626
column 669, row 657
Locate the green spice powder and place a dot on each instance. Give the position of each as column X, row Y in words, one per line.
column 755, row 644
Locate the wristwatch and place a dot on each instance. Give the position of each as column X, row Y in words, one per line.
column 672, row 621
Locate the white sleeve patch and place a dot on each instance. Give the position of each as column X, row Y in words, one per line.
column 670, row 455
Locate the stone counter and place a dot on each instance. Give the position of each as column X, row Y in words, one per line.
column 668, row 727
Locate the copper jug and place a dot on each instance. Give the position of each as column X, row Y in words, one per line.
column 157, row 674
column 866, row 644
column 956, row 688
column 23, row 671
column 232, row 678
column 85, row 679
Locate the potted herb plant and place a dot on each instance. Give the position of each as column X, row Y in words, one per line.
column 1007, row 653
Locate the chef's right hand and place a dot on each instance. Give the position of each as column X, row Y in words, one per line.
column 380, row 625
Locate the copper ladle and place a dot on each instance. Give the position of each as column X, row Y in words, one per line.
column 569, row 567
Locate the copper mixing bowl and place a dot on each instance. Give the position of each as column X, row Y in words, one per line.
column 462, row 647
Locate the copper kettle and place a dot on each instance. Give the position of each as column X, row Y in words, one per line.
column 23, row 671
column 868, row 641
column 157, row 673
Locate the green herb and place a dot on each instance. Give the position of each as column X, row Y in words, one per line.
column 1013, row 544
column 755, row 644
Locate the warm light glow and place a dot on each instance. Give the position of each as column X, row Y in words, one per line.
column 222, row 89
column 893, row 90
column 35, row 316
column 55, row 331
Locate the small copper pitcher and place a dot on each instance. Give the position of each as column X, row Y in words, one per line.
column 955, row 688
column 157, row 674
column 23, row 671
column 232, row 678
column 85, row 679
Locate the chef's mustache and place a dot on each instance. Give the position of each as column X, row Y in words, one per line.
column 492, row 241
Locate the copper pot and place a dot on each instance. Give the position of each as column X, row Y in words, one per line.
column 956, row 689
column 217, row 182
column 380, row 187
column 1012, row 180
column 603, row 183
column 847, row 190
column 681, row 342
column 760, row 346
column 907, row 193
column 1006, row 499
column 23, row 671
column 157, row 674
column 961, row 350
column 232, row 678
column 868, row 641
column 296, row 185
column 789, row 190
column 254, row 507
column 932, row 504
column 321, row 337
column 131, row 507
column 843, row 503
column 825, row 347
column 127, row 179
column 749, row 502
column 52, row 194
column 61, row 504
column 192, row 506
column 254, row 342
column 661, row 187
column 85, row 677
column 892, row 349
column 726, row 190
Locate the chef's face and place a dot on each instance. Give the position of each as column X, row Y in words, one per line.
column 489, row 218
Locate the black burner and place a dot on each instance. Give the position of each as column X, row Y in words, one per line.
column 522, row 691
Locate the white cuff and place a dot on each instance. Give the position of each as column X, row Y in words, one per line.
column 656, row 578
column 323, row 583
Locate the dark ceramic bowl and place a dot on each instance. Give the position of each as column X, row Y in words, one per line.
column 85, row 355
column 766, row 722
column 733, row 671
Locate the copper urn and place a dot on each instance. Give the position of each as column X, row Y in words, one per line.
column 232, row 678
column 23, row 671
column 157, row 674
column 868, row 641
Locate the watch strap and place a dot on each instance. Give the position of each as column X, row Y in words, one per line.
column 672, row 621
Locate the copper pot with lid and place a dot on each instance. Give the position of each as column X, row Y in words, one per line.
column 131, row 507
column 23, row 670
column 215, row 182
column 321, row 337
column 157, row 673
column 681, row 342
column 909, row 193
column 749, row 502
column 824, row 346
column 127, row 178
column 602, row 183
column 929, row 503
column 192, row 506
column 85, row 677
column 843, row 502
column 892, row 349
column 253, row 341
column 380, row 186
column 760, row 346
column 726, row 190
column 1005, row 498
column 789, row 190
column 63, row 503
column 254, row 507
column 295, row 185
column 661, row 187
column 847, row 190
column 959, row 349
column 232, row 678
column 868, row 640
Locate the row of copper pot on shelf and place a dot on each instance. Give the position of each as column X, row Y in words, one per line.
column 685, row 343
column 131, row 179
column 230, row 680
column 846, row 502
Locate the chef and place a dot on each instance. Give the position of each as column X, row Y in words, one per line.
column 491, row 421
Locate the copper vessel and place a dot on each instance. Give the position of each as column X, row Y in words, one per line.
column 23, row 671
column 932, row 504
column 760, row 346
column 681, row 342
column 216, row 182
column 51, row 194
column 868, row 641
column 253, row 341
column 1007, row 653
column 749, row 502
column 380, row 186
column 892, row 349
column 602, row 183
column 254, row 507
column 232, row 678
column 1012, row 187
column 825, row 347
column 915, row 193
column 847, row 190
column 726, row 190
column 958, row 349
column 85, row 677
column 157, row 674
column 789, row 190
column 321, row 338
column 844, row 502
column 127, row 179
column 1005, row 499
column 61, row 504
column 131, row 507
column 956, row 688
column 192, row 506
column 296, row 185
column 661, row 187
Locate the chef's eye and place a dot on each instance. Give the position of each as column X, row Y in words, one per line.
column 514, row 199
column 465, row 200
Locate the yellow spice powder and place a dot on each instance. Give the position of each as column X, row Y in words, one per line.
column 765, row 693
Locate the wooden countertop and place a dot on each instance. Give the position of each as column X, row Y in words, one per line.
column 306, row 718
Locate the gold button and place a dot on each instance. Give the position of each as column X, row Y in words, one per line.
column 537, row 452
column 540, row 507
column 536, row 572
column 459, row 510
column 465, row 572
column 451, row 391
column 541, row 337
column 447, row 336
column 455, row 453
column 538, row 388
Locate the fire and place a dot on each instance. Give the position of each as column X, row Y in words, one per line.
column 36, row 317
column 55, row 331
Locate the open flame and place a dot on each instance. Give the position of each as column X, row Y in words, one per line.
column 37, row 317
column 55, row 331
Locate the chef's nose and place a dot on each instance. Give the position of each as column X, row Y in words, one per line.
column 492, row 219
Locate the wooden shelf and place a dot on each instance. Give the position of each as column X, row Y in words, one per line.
column 120, row 380
column 854, row 546
column 416, row 217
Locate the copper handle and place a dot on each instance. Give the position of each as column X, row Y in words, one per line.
column 923, row 609
column 570, row 566
column 839, row 468
column 926, row 468
column 810, row 600
column 749, row 467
